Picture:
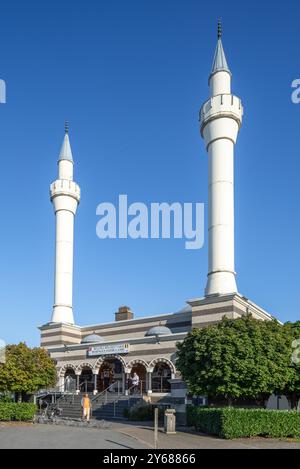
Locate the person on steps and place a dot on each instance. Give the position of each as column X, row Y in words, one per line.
column 86, row 407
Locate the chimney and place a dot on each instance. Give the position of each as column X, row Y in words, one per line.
column 124, row 313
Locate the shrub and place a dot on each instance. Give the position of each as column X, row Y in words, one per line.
column 6, row 411
column 142, row 412
column 237, row 423
column 22, row 412
column 6, row 398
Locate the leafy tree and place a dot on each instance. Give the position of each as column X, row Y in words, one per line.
column 236, row 359
column 26, row 370
column 292, row 388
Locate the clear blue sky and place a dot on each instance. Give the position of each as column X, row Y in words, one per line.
column 130, row 76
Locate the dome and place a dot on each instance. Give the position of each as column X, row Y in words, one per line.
column 158, row 331
column 92, row 338
column 186, row 309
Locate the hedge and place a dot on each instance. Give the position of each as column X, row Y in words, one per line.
column 22, row 412
column 232, row 423
column 142, row 412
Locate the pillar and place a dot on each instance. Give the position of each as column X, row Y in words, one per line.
column 95, row 383
column 77, row 383
column 149, row 387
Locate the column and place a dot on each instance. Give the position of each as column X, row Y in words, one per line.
column 95, row 383
column 77, row 383
column 127, row 375
column 149, row 389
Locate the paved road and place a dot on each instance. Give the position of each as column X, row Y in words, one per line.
column 120, row 436
column 52, row 437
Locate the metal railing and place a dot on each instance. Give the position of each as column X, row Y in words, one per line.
column 53, row 392
column 104, row 394
column 102, row 398
column 136, row 389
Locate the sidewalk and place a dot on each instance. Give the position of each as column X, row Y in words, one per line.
column 187, row 439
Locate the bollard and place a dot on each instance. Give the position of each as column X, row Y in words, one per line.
column 170, row 422
column 156, row 428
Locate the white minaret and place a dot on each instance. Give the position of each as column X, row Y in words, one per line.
column 65, row 196
column 221, row 119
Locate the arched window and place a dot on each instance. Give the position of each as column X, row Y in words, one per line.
column 161, row 378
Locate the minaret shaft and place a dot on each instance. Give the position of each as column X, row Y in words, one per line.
column 63, row 290
column 221, row 118
column 65, row 196
column 221, row 275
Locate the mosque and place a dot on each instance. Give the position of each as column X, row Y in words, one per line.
column 97, row 357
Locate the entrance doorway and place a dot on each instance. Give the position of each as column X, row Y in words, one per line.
column 141, row 371
column 70, row 380
column 86, row 380
column 111, row 376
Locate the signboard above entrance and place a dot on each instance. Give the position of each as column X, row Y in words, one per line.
column 108, row 349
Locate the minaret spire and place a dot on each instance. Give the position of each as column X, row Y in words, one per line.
column 221, row 118
column 66, row 151
column 219, row 28
column 219, row 62
column 65, row 196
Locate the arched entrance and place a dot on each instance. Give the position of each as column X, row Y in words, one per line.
column 70, row 380
column 111, row 375
column 86, row 383
column 140, row 368
column 161, row 378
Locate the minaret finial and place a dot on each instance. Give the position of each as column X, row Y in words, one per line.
column 66, row 127
column 219, row 28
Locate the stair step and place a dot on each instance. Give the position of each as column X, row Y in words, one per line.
column 105, row 407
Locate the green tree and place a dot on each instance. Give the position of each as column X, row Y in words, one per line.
column 242, row 358
column 292, row 388
column 26, row 370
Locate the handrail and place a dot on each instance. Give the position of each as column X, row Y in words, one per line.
column 134, row 386
column 104, row 393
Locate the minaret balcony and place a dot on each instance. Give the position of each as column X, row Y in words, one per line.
column 64, row 187
column 222, row 105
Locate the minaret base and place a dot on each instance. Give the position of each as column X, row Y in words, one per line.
column 211, row 309
column 63, row 314
column 221, row 283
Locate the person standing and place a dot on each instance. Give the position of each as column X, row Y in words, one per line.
column 86, row 407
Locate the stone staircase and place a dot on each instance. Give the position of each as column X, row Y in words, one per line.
column 104, row 407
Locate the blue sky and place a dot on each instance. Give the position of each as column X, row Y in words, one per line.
column 130, row 76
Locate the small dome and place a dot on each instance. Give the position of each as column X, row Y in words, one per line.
column 186, row 309
column 92, row 338
column 158, row 331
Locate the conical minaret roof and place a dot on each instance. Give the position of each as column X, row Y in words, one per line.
column 220, row 63
column 66, row 152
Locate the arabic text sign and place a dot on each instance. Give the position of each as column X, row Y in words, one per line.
column 108, row 349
